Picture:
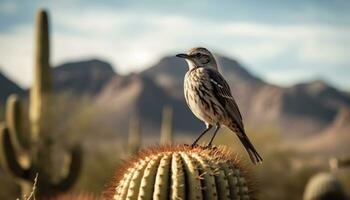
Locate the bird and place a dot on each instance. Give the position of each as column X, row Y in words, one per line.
column 209, row 97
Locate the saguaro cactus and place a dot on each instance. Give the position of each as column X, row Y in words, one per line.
column 134, row 138
column 181, row 172
column 166, row 132
column 41, row 91
column 25, row 155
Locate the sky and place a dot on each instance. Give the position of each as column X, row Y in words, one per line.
column 283, row 42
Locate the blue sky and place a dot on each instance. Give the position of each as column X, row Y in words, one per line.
column 284, row 42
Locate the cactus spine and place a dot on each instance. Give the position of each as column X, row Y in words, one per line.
column 25, row 155
column 166, row 134
column 181, row 172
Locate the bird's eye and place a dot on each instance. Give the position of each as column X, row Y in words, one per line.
column 198, row 55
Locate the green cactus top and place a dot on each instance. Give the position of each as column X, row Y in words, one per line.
column 324, row 186
column 181, row 172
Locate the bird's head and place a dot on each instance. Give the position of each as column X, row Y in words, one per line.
column 199, row 57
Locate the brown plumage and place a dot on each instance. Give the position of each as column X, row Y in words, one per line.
column 209, row 97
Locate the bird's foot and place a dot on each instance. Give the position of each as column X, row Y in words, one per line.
column 194, row 145
column 210, row 146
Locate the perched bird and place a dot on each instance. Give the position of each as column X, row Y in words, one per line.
column 209, row 97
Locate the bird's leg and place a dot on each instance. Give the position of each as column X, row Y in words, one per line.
column 212, row 138
column 206, row 130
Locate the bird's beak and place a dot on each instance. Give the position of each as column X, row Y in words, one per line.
column 183, row 55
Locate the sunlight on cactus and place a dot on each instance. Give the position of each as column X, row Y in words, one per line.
column 24, row 153
column 181, row 172
column 324, row 186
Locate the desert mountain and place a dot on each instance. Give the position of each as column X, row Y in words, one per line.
column 169, row 73
column 306, row 108
column 335, row 138
column 325, row 93
column 8, row 87
column 136, row 95
column 291, row 110
column 235, row 73
column 302, row 108
column 83, row 77
column 341, row 124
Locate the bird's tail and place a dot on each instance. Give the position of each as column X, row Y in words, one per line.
column 253, row 154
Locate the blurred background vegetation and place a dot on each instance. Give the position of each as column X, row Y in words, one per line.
column 284, row 174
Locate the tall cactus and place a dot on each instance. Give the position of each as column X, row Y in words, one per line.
column 181, row 172
column 25, row 155
column 41, row 91
column 166, row 132
column 134, row 137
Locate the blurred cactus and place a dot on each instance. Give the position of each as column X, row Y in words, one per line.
column 181, row 172
column 79, row 196
column 25, row 155
column 41, row 91
column 324, row 186
column 134, row 138
column 14, row 123
column 166, row 134
column 336, row 163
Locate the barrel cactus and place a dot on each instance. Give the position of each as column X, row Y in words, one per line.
column 324, row 186
column 181, row 172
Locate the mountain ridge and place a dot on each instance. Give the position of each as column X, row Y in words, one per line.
column 304, row 108
column 86, row 77
column 8, row 87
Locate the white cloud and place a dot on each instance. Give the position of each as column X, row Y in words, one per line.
column 16, row 54
column 288, row 77
column 294, row 32
column 326, row 52
column 132, row 42
column 8, row 7
column 316, row 42
column 91, row 22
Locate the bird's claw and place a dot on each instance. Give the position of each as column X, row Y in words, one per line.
column 209, row 145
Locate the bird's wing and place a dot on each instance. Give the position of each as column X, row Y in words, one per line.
column 223, row 94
